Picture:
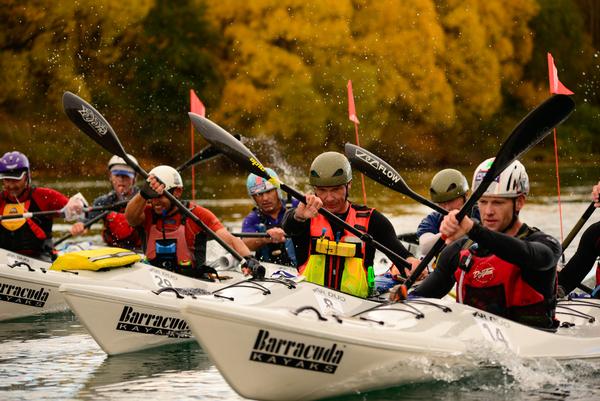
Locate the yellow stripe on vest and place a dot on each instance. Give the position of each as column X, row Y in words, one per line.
column 95, row 259
column 327, row 247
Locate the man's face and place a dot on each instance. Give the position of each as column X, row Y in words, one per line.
column 162, row 203
column 121, row 183
column 14, row 187
column 453, row 204
column 334, row 198
column 497, row 213
column 268, row 202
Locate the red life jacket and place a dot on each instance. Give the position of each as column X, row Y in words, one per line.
column 189, row 238
column 497, row 286
column 28, row 237
column 328, row 270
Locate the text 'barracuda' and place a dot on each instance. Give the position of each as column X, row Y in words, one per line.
column 295, row 354
column 148, row 323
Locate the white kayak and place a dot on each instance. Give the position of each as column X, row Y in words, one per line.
column 126, row 320
column 289, row 354
column 29, row 287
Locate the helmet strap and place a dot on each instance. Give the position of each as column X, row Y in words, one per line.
column 515, row 216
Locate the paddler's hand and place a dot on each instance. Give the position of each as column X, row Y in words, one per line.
column 78, row 229
column 310, row 209
column 253, row 267
column 414, row 262
column 73, row 210
column 397, row 293
column 596, row 194
column 452, row 229
column 276, row 235
column 152, row 188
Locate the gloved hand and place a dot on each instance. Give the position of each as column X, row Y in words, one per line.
column 253, row 266
column 73, row 210
column 117, row 224
column 147, row 192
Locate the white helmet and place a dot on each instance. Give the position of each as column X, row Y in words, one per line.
column 511, row 182
column 117, row 165
column 168, row 176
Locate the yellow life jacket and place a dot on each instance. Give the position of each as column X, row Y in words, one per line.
column 95, row 259
column 338, row 264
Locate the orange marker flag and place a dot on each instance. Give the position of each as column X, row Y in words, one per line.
column 352, row 117
column 351, row 109
column 555, row 85
column 196, row 106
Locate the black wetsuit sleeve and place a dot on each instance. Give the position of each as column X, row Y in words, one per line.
column 299, row 231
column 382, row 230
column 441, row 280
column 292, row 226
column 537, row 252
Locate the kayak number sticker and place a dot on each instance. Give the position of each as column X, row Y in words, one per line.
column 493, row 329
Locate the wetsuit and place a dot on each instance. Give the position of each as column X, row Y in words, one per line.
column 117, row 232
column 582, row 261
column 536, row 255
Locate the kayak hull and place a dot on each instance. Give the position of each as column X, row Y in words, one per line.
column 276, row 354
column 29, row 288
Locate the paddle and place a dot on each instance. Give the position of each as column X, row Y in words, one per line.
column 95, row 126
column 239, row 153
column 205, row 154
column 378, row 170
column 575, row 230
column 534, row 127
column 28, row 215
column 86, row 224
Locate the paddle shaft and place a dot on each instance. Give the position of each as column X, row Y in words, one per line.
column 365, row 237
column 575, row 230
column 86, row 224
column 28, row 215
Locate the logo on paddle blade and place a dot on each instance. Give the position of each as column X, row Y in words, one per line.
column 377, row 165
column 295, row 354
column 23, row 295
column 93, row 120
column 148, row 323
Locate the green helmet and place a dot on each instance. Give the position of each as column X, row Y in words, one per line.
column 330, row 169
column 448, row 184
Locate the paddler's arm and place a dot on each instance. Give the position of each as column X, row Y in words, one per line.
column 134, row 212
column 235, row 242
column 441, row 280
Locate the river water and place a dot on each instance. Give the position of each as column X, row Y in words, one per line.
column 51, row 357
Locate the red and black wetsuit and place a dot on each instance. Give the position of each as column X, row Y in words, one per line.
column 533, row 258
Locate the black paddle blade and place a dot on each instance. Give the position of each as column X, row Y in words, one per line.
column 228, row 145
column 534, row 127
column 94, row 125
column 380, row 171
column 205, row 154
column 375, row 168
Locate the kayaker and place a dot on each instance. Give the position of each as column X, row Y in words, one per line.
column 31, row 236
column 502, row 265
column 584, row 258
column 172, row 240
column 266, row 216
column 117, row 232
column 327, row 254
column 449, row 189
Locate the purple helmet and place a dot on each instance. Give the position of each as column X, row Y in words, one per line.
column 14, row 165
